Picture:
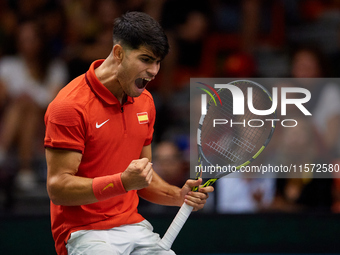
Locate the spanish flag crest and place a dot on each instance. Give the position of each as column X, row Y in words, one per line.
column 143, row 117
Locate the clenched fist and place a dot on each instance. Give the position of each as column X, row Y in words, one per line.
column 138, row 175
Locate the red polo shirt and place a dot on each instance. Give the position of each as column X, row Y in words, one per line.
column 86, row 117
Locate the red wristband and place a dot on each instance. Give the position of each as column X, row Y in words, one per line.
column 109, row 186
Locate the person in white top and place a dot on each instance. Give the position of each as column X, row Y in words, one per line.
column 309, row 62
column 28, row 82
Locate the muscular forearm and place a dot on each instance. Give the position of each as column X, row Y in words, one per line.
column 70, row 190
column 66, row 188
column 161, row 192
column 73, row 190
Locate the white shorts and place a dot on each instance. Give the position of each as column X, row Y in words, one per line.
column 134, row 239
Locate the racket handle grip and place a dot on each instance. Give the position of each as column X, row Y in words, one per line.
column 175, row 226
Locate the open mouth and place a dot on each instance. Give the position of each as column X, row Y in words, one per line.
column 142, row 82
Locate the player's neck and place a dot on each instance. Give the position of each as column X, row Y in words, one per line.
column 107, row 75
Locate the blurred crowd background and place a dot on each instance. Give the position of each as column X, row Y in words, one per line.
column 46, row 43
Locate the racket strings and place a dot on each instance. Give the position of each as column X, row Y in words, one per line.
column 228, row 154
column 249, row 147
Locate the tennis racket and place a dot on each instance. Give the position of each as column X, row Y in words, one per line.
column 236, row 143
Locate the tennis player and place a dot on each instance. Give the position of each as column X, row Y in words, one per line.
column 98, row 149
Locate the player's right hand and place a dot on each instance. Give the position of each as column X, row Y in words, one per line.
column 138, row 175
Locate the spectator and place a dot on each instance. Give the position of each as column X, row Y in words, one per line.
column 309, row 62
column 304, row 190
column 169, row 164
column 89, row 32
column 244, row 195
column 29, row 81
column 186, row 29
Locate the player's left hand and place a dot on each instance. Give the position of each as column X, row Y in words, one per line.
column 195, row 199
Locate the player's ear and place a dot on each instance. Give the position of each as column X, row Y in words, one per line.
column 118, row 52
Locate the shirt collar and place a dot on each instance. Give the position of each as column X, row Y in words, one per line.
column 98, row 88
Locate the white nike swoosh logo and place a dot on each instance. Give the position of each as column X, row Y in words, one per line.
column 99, row 125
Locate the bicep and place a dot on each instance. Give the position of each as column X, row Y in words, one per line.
column 63, row 186
column 61, row 163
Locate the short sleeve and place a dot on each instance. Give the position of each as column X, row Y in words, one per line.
column 65, row 128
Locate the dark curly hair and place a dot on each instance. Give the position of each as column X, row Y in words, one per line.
column 136, row 29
